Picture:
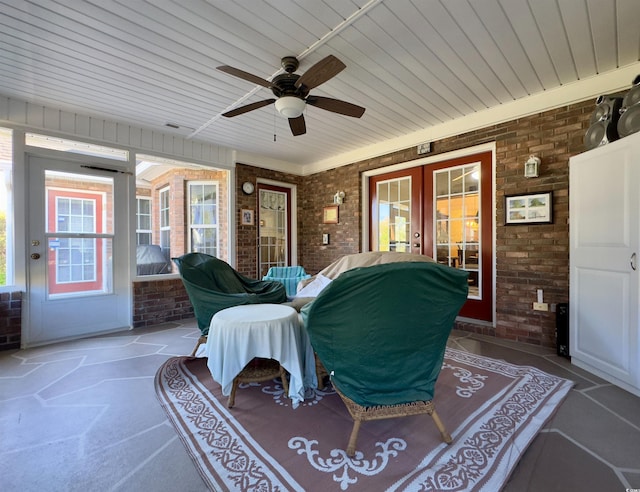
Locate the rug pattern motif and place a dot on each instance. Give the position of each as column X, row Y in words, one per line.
column 243, row 470
column 464, row 465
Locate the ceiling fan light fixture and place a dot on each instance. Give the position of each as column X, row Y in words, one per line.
column 290, row 106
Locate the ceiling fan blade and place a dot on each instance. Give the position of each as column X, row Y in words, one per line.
column 298, row 126
column 248, row 107
column 336, row 106
column 236, row 72
column 321, row 72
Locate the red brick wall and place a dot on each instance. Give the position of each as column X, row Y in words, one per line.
column 528, row 257
column 247, row 236
column 10, row 320
column 159, row 301
column 177, row 182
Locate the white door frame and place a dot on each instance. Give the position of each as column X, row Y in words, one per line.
column 119, row 304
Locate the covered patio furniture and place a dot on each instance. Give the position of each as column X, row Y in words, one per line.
column 150, row 260
column 213, row 285
column 289, row 276
column 381, row 333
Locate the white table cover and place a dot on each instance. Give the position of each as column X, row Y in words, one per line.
column 273, row 331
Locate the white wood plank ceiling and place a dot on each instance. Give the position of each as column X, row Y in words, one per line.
column 412, row 64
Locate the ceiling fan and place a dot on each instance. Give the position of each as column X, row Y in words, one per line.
column 292, row 91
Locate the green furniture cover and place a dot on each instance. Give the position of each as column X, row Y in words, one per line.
column 213, row 285
column 381, row 331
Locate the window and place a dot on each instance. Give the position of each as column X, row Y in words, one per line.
column 75, row 256
column 62, row 144
column 79, row 233
column 6, row 208
column 203, row 217
column 165, row 223
column 189, row 207
column 143, row 221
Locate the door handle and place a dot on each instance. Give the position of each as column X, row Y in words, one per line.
column 36, row 256
column 632, row 262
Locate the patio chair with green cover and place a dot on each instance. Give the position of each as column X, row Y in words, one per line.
column 289, row 276
column 213, row 285
column 381, row 333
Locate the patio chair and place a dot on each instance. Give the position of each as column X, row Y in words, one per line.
column 289, row 276
column 213, row 285
column 381, row 332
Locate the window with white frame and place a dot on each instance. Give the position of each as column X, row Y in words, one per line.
column 143, row 221
column 165, row 223
column 203, row 217
column 6, row 207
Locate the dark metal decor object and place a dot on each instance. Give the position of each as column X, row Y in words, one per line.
column 604, row 122
column 629, row 121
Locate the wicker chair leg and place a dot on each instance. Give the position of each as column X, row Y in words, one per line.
column 446, row 437
column 321, row 372
column 232, row 396
column 285, row 382
column 201, row 340
column 351, row 447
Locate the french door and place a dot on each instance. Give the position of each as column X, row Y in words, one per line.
column 274, row 219
column 443, row 210
column 77, row 241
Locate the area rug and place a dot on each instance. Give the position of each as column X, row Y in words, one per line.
column 492, row 409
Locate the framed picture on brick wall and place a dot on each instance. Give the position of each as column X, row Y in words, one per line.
column 533, row 208
column 330, row 214
column 246, row 216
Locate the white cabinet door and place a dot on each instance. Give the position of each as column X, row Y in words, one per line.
column 604, row 233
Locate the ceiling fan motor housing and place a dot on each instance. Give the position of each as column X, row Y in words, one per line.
column 284, row 85
column 290, row 64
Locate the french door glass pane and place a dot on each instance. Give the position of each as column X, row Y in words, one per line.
column 457, row 221
column 394, row 215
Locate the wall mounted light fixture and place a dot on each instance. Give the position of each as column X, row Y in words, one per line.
column 532, row 167
column 338, row 198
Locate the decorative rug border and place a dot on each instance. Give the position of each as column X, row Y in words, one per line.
column 227, row 456
column 245, row 463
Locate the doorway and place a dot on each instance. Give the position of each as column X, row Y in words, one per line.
column 274, row 231
column 443, row 210
column 78, row 240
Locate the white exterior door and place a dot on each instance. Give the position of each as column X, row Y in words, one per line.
column 78, row 230
column 604, row 235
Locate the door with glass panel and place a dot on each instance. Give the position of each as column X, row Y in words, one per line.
column 77, row 241
column 274, row 220
column 451, row 220
column 396, row 212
